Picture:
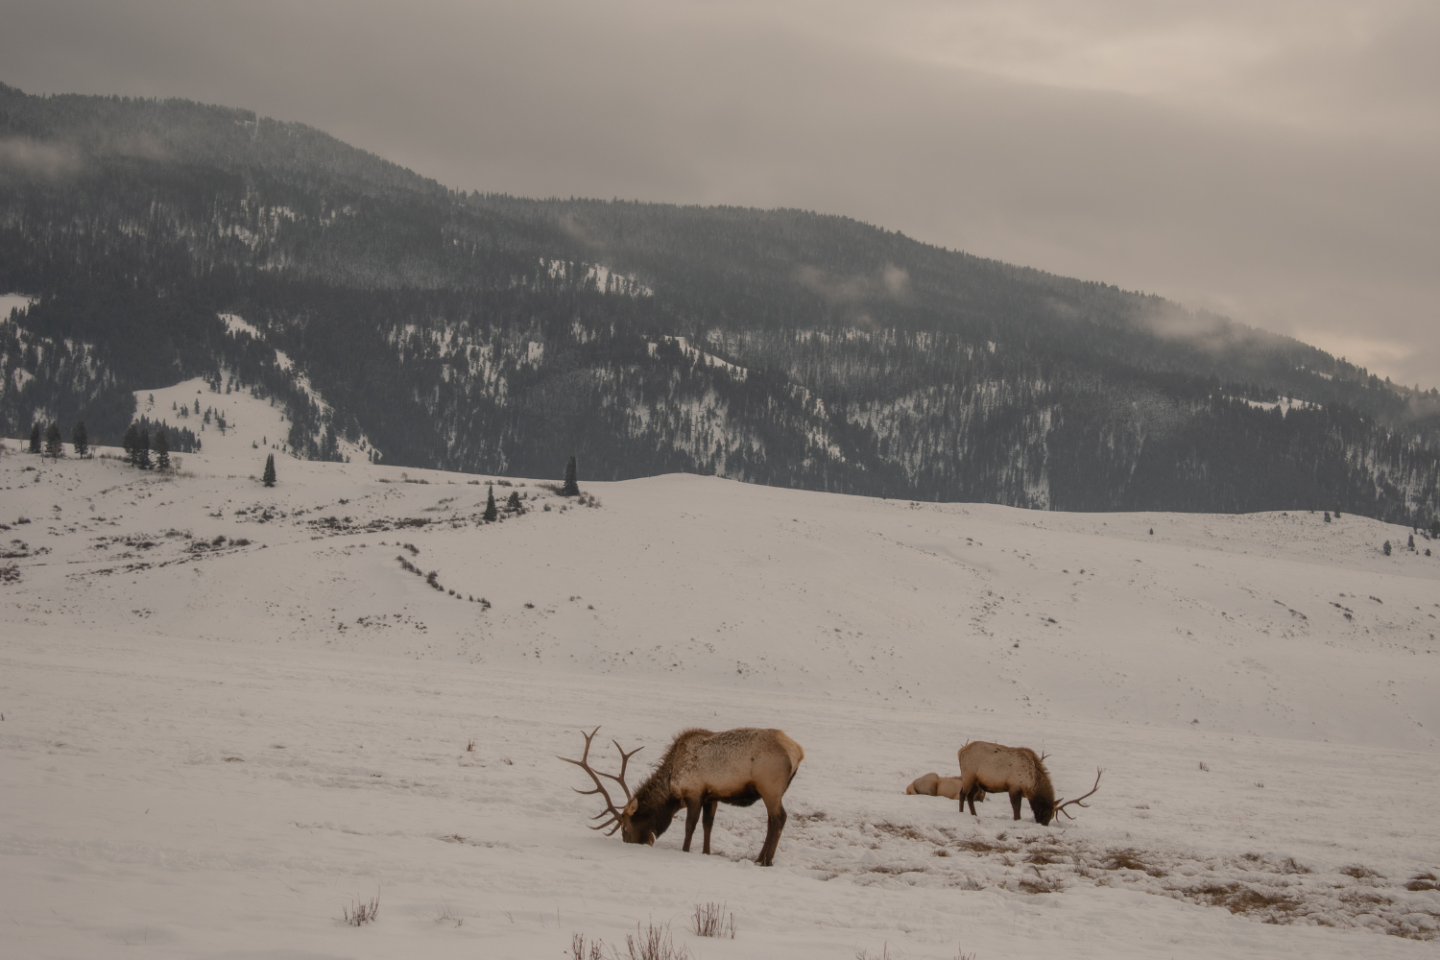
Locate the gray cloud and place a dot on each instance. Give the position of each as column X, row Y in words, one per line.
column 1272, row 161
column 30, row 157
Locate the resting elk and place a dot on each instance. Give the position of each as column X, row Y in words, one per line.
column 699, row 770
column 934, row 785
column 1016, row 771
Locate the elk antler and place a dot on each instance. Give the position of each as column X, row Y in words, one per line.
column 1061, row 805
column 584, row 763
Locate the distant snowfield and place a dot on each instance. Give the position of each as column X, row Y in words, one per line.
column 13, row 301
column 253, row 428
column 211, row 747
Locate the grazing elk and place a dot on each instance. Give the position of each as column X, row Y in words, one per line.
column 1016, row 771
column 699, row 770
column 934, row 785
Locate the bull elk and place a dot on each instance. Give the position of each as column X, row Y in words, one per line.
column 934, row 785
column 699, row 770
column 1016, row 771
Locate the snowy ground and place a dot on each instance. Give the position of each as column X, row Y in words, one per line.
column 213, row 747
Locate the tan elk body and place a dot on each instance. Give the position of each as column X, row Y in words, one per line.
column 934, row 785
column 699, row 770
column 1017, row 771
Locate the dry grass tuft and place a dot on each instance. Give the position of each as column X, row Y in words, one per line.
column 902, row 830
column 1360, row 872
column 360, row 912
column 446, row 915
column 651, row 943
column 1040, row 883
column 1239, row 898
column 1129, row 859
column 580, row 951
column 711, row 920
column 1422, row 881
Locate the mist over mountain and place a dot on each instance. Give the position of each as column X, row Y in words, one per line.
column 164, row 240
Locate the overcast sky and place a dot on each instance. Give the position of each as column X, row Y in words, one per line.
column 1276, row 161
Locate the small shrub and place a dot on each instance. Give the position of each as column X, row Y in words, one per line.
column 711, row 920
column 650, row 943
column 446, row 915
column 580, row 951
column 1386, row 548
column 360, row 912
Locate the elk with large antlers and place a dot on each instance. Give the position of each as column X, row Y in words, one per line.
column 1016, row 771
column 700, row 770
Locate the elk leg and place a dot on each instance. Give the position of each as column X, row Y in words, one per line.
column 772, row 835
column 1015, row 802
column 968, row 787
column 692, row 817
column 708, row 821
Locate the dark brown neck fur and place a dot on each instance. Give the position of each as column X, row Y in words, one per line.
column 654, row 796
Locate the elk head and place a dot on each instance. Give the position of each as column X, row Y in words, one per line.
column 1060, row 805
column 632, row 829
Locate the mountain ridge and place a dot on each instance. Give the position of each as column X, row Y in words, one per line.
column 487, row 332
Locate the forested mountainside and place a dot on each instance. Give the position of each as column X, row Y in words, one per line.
column 163, row 240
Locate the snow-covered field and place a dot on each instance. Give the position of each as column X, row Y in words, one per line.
column 214, row 747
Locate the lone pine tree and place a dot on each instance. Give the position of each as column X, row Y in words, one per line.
column 142, row 449
column 35, row 437
column 54, row 447
column 80, row 439
column 571, row 488
column 162, row 450
column 490, row 512
column 268, row 477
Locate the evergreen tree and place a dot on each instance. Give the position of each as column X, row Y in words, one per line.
column 512, row 503
column 490, row 512
column 79, row 438
column 54, row 447
column 129, row 442
column 142, row 449
column 571, row 487
column 1386, row 548
column 35, row 437
column 162, row 450
column 268, row 477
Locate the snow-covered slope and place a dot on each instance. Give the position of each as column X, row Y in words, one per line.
column 251, row 428
column 232, row 711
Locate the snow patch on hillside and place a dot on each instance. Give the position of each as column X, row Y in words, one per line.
column 13, row 301
column 604, row 279
column 252, row 427
column 691, row 352
column 1284, row 404
column 351, row 450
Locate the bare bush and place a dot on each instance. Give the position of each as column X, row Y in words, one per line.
column 360, row 912
column 579, row 950
column 711, row 920
column 651, row 943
